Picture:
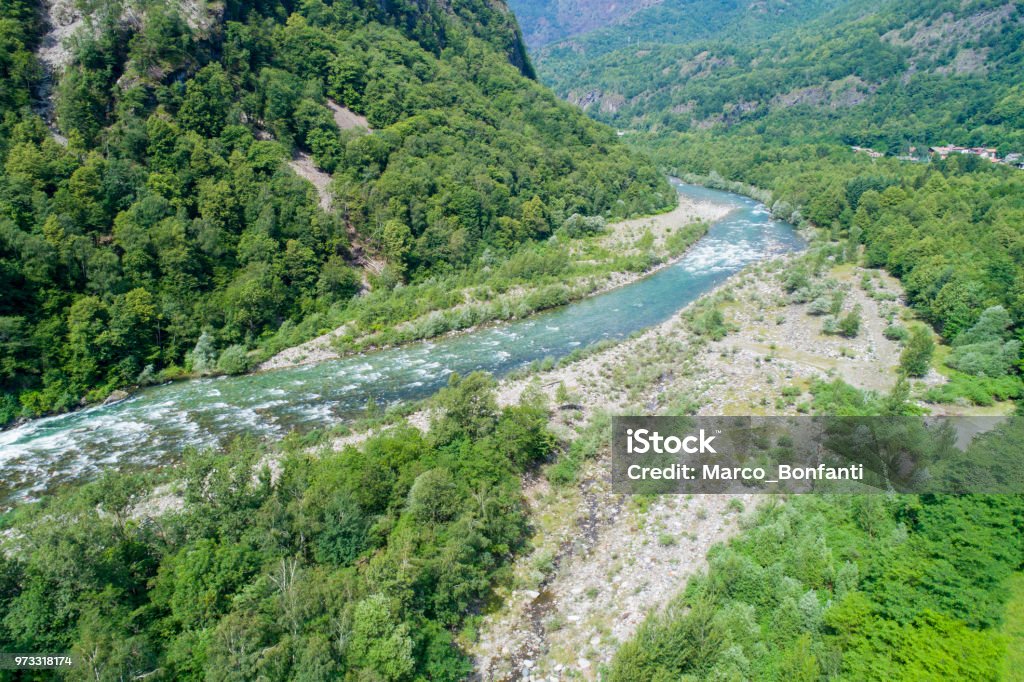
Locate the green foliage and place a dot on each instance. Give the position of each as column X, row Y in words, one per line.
column 837, row 398
column 682, row 239
column 582, row 226
column 711, row 324
column 896, row 332
column 849, row 324
column 171, row 214
column 1013, row 629
column 978, row 390
column 233, row 360
column 916, row 358
column 799, row 594
column 357, row 563
column 986, row 349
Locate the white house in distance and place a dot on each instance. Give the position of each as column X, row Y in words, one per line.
column 984, row 152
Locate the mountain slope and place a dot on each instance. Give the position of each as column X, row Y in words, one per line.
column 888, row 75
column 161, row 204
column 676, row 22
column 548, row 21
column 592, row 28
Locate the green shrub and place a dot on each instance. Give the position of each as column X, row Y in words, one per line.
column 9, row 408
column 233, row 360
column 711, row 324
column 987, row 358
column 896, row 332
column 976, row 389
column 577, row 225
column 917, row 355
column 680, row 240
column 849, row 325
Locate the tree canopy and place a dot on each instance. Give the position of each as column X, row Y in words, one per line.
column 170, row 210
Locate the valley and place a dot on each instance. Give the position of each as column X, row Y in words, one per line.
column 315, row 316
column 151, row 428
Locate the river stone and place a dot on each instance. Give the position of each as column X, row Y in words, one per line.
column 116, row 397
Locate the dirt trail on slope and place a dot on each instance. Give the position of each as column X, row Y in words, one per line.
column 360, row 256
column 304, row 166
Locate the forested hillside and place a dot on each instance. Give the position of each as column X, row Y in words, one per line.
column 158, row 203
column 889, row 75
column 671, row 22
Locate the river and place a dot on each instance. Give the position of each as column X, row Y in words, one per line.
column 153, row 426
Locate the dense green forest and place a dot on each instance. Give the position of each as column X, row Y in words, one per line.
column 671, row 22
column 165, row 207
column 889, row 75
column 356, row 565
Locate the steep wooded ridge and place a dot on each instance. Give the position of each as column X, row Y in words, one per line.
column 891, row 74
column 156, row 202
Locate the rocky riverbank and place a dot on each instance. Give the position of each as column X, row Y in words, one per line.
column 601, row 562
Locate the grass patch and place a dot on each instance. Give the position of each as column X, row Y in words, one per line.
column 1013, row 631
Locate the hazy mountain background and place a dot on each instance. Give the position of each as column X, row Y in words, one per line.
column 889, row 73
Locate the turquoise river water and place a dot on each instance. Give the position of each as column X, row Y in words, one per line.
column 153, row 426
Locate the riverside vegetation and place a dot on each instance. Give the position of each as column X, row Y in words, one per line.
column 335, row 564
column 880, row 588
column 169, row 214
column 584, row 257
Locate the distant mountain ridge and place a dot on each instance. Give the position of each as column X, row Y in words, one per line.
column 891, row 73
column 548, row 21
column 677, row 22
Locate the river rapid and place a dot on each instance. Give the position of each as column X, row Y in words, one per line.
column 153, row 427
